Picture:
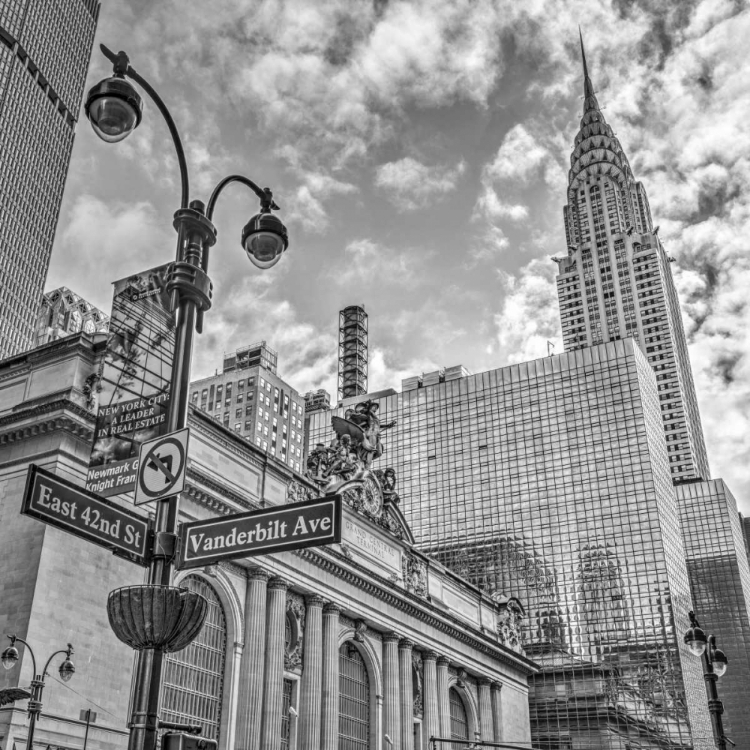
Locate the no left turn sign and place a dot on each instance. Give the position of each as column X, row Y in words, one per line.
column 161, row 467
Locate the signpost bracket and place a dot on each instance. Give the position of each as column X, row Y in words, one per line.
column 164, row 546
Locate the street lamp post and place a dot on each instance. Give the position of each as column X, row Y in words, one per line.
column 9, row 659
column 114, row 109
column 715, row 664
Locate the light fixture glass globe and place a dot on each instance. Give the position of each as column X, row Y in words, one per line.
column 9, row 657
column 114, row 109
column 264, row 249
column 696, row 640
column 719, row 662
column 67, row 670
column 112, row 119
column 264, row 238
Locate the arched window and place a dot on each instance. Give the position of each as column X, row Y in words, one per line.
column 459, row 719
column 194, row 677
column 354, row 700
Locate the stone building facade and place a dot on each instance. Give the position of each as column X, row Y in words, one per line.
column 363, row 644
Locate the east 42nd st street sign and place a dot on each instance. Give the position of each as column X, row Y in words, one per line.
column 63, row 504
column 309, row 524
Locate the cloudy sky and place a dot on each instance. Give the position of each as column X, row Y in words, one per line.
column 419, row 152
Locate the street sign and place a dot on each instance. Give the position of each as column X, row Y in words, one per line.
column 308, row 524
column 161, row 467
column 61, row 503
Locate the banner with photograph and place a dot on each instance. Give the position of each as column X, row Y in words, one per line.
column 134, row 382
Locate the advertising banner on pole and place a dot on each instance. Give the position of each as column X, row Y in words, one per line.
column 134, row 380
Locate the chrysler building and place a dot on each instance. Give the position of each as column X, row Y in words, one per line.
column 616, row 280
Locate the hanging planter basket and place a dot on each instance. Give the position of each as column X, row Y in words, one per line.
column 166, row 618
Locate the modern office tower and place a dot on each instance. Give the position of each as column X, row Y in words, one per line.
column 44, row 54
column 64, row 313
column 550, row 479
column 249, row 398
column 616, row 280
column 720, row 581
column 352, row 351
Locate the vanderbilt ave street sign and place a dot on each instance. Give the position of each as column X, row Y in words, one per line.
column 63, row 504
column 285, row 527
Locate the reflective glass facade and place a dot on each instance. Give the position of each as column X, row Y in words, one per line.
column 720, row 582
column 549, row 480
column 44, row 54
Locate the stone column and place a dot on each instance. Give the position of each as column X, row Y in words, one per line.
column 391, row 692
column 309, row 702
column 329, row 729
column 251, row 666
column 485, row 711
column 406, row 691
column 274, row 674
column 431, row 720
column 497, row 711
column 234, row 694
column 444, row 708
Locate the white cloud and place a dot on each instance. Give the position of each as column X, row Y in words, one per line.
column 366, row 261
column 410, row 185
column 110, row 239
column 529, row 315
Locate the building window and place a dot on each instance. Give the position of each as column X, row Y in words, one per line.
column 286, row 704
column 194, row 677
column 354, row 700
column 459, row 719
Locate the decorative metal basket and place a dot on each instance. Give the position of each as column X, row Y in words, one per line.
column 159, row 617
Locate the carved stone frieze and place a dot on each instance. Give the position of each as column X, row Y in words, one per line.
column 510, row 615
column 293, row 643
column 415, row 575
column 417, row 683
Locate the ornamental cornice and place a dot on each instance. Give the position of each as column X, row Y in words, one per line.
column 371, row 583
column 202, row 423
column 44, row 406
column 200, row 495
column 41, row 426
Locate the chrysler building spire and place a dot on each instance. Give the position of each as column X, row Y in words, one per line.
column 588, row 87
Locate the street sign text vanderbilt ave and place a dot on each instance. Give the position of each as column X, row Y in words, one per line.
column 259, row 532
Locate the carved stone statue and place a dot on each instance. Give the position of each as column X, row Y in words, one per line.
column 357, row 444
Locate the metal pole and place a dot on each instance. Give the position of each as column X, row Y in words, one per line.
column 35, row 707
column 86, row 734
column 195, row 232
column 715, row 706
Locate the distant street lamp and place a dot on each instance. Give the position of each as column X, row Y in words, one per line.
column 715, row 663
column 115, row 110
column 66, row 669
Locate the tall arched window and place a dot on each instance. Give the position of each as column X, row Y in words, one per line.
column 194, row 677
column 459, row 719
column 354, row 700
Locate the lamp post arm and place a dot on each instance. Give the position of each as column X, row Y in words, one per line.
column 267, row 203
column 14, row 638
column 123, row 67
column 67, row 651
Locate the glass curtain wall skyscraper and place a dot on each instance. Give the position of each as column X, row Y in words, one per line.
column 616, row 279
column 45, row 49
column 549, row 480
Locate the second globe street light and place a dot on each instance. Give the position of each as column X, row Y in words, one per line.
column 115, row 109
column 715, row 664
column 9, row 659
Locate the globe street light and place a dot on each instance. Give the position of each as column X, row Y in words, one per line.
column 9, row 659
column 715, row 664
column 115, row 109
